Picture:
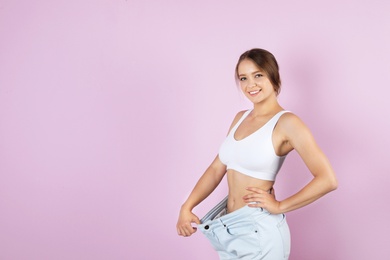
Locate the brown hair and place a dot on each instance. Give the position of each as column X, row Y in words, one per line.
column 265, row 61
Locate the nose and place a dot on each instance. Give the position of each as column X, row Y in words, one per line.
column 252, row 83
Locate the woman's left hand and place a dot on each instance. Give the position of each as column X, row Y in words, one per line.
column 259, row 198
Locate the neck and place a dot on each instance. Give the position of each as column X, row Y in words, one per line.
column 266, row 108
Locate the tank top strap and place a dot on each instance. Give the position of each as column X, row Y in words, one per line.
column 274, row 120
column 246, row 113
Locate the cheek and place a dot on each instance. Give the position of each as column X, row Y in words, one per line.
column 268, row 84
column 242, row 88
column 262, row 80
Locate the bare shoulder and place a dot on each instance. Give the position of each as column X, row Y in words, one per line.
column 294, row 131
column 289, row 121
column 239, row 115
column 236, row 118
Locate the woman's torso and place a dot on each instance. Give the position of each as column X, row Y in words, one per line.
column 249, row 129
column 238, row 183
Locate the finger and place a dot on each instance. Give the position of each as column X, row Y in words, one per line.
column 254, row 189
column 183, row 230
column 179, row 230
column 255, row 205
column 182, row 233
column 253, row 196
column 190, row 230
column 186, row 232
column 196, row 220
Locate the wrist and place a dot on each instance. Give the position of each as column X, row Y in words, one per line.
column 186, row 207
column 281, row 207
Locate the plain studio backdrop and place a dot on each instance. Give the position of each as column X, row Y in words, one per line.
column 110, row 110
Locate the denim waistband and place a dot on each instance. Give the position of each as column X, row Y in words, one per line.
column 233, row 217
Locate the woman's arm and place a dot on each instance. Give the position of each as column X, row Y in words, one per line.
column 206, row 184
column 203, row 188
column 297, row 136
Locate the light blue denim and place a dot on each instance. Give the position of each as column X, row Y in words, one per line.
column 249, row 233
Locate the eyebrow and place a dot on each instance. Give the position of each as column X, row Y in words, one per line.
column 257, row 71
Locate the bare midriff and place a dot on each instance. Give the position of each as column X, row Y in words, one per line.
column 238, row 184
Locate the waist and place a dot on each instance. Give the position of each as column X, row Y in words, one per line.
column 234, row 217
column 238, row 184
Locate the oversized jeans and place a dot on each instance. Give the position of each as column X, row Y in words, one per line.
column 249, row 233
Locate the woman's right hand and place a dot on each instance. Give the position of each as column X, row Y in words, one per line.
column 184, row 227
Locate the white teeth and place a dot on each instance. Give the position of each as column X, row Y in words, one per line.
column 254, row 92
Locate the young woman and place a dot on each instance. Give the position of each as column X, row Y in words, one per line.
column 254, row 225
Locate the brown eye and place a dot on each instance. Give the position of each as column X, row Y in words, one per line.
column 242, row 79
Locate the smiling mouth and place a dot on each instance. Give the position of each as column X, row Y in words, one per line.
column 254, row 92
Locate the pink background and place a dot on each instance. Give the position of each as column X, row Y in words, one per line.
column 110, row 110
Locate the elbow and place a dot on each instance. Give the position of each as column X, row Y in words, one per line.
column 328, row 183
column 332, row 184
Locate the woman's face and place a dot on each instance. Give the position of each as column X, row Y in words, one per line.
column 254, row 82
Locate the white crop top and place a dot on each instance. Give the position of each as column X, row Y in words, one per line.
column 255, row 154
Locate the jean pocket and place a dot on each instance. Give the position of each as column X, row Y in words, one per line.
column 243, row 240
column 241, row 229
column 284, row 232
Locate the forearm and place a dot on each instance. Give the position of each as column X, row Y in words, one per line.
column 314, row 190
column 203, row 188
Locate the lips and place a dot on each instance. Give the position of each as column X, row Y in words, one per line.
column 254, row 92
